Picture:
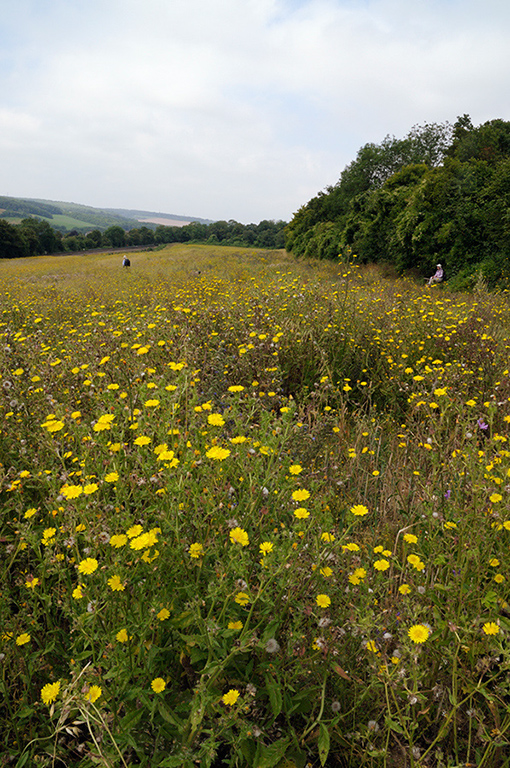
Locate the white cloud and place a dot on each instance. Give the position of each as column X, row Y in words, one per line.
column 230, row 108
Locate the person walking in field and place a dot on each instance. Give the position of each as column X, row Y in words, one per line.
column 126, row 262
column 437, row 277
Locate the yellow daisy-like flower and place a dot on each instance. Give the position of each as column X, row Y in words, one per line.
column 48, row 533
column 118, row 540
column 115, row 583
column 381, row 565
column 236, row 388
column 49, row 692
column 218, row 454
column 30, row 513
column 410, row 538
column 371, row 646
column 418, row 633
column 323, row 601
column 351, row 547
column 90, row 488
column 122, row 636
column 93, row 693
column 295, row 469
column 326, row 572
column 301, row 513
column 230, row 697
column 495, row 497
column 239, row 536
column 88, row 566
column 359, row 510
column 32, row 582
column 151, row 403
column 23, row 639
column 111, row 477
column 135, row 530
column 78, row 592
column 163, row 614
column 490, row 628
column 235, row 625
column 329, row 537
column 71, row 491
column 158, row 685
column 216, row 420
column 196, row 550
column 142, row 440
column 266, row 547
column 301, row 494
column 141, row 542
column 242, row 598
column 404, row 589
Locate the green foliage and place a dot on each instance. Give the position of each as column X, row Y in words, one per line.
column 417, row 201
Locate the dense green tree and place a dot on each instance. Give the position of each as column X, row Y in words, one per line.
column 12, row 245
column 419, row 201
column 114, row 237
column 39, row 236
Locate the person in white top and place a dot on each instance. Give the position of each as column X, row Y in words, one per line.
column 437, row 277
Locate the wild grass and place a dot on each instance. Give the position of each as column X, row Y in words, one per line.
column 255, row 512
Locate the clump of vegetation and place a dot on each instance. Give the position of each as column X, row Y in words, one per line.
column 255, row 512
column 438, row 195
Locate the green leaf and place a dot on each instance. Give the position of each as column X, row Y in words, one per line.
column 393, row 725
column 130, row 720
column 168, row 715
column 268, row 757
column 275, row 695
column 323, row 743
column 248, row 749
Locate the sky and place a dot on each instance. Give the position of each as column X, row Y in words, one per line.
column 231, row 109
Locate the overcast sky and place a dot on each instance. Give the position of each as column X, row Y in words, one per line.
column 230, row 109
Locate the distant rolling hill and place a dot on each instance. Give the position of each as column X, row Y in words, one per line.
column 72, row 216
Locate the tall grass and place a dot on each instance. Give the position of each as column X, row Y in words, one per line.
column 255, row 512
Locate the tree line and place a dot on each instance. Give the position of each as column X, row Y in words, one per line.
column 439, row 195
column 33, row 237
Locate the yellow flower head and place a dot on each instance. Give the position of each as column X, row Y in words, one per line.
column 235, row 625
column 88, row 566
column 115, row 583
column 93, row 693
column 158, row 685
column 323, row 601
column 242, row 598
column 239, row 536
column 490, row 628
column 49, row 692
column 196, row 550
column 216, row 420
column 217, row 454
column 418, row 633
column 301, row 494
column 230, row 697
column 359, row 510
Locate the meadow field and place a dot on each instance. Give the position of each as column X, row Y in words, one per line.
column 255, row 512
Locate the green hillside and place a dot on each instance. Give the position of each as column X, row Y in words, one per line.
column 65, row 216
